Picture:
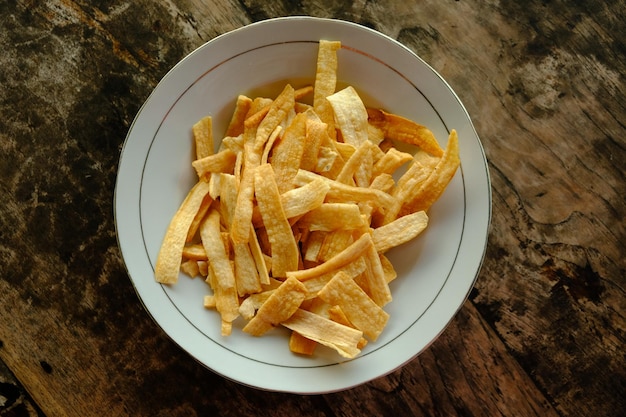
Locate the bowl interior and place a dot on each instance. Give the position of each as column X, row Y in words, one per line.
column 436, row 271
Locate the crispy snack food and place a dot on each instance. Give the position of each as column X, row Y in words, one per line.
column 295, row 208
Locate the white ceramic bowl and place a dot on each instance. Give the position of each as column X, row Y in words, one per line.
column 436, row 271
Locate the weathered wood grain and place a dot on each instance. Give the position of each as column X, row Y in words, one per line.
column 544, row 331
column 467, row 371
column 14, row 400
column 551, row 116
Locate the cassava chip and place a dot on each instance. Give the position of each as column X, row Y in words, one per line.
column 350, row 254
column 333, row 216
column 390, row 162
column 362, row 312
column 170, row 255
column 246, row 273
column 375, row 282
column 316, row 132
column 326, row 82
column 278, row 307
column 242, row 107
column 351, row 115
column 286, row 155
column 340, row 192
column 277, row 111
column 285, row 254
column 301, row 200
column 194, row 252
column 203, row 137
column 220, row 162
column 404, row 130
column 344, row 339
column 302, row 345
column 202, row 211
column 399, row 231
column 221, row 277
column 438, row 180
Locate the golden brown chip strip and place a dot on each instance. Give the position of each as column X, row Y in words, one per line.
column 190, row 268
column 428, row 161
column 301, row 107
column 412, row 179
column 242, row 215
column 259, row 258
column 170, row 255
column 313, row 245
column 216, row 251
column 408, row 185
column 390, row 162
column 389, row 270
column 334, row 243
column 255, row 119
column 363, row 174
column 228, row 187
column 226, row 301
column 234, row 143
column 278, row 110
column 345, row 150
column 285, row 253
column 203, row 137
column 209, row 301
column 301, row 200
column 354, row 162
column 335, row 313
column 246, row 273
column 270, row 144
column 399, row 231
column 349, row 254
column 301, row 345
column 344, row 193
column 223, row 161
column 326, row 71
column 279, row 306
column 315, row 136
column 326, row 332
column 362, row 312
column 302, row 92
column 203, row 268
column 226, row 326
column 258, row 104
column 195, row 224
column 404, row 130
column 375, row 135
column 214, row 186
column 326, row 82
column 383, row 182
column 236, row 125
column 330, row 161
column 351, row 115
column 435, row 185
column 333, row 216
column 374, row 277
column 194, row 252
column 353, row 269
column 287, row 153
column 251, row 304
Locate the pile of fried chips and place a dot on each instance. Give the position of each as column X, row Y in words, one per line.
column 291, row 217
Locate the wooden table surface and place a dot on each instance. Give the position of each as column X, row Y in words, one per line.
column 543, row 332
